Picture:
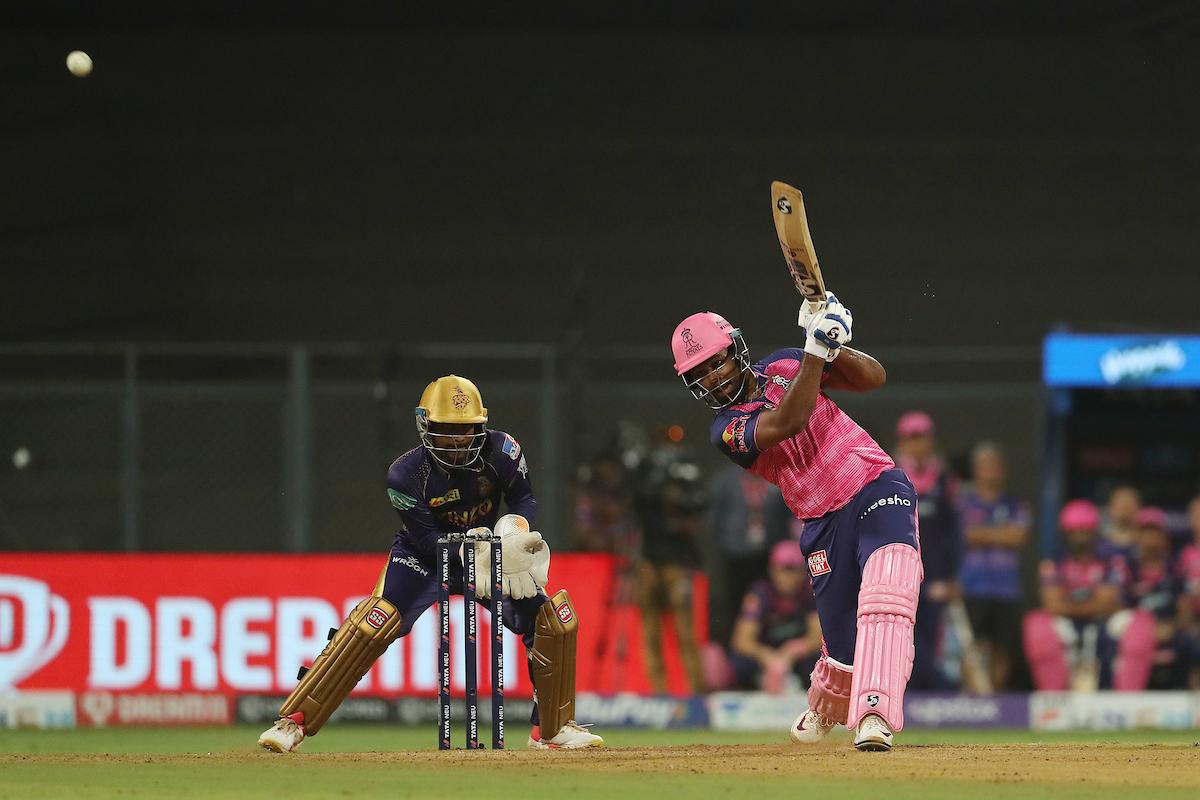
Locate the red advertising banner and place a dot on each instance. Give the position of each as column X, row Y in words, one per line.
column 243, row 624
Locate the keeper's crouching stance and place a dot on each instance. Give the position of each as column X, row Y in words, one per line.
column 453, row 481
column 860, row 533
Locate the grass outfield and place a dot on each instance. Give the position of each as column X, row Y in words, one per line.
column 401, row 762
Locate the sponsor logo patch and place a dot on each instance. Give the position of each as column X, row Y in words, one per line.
column 412, row 563
column 401, row 501
column 734, row 435
column 872, row 700
column 510, row 447
column 376, row 618
column 818, row 564
column 448, row 497
column 894, row 500
column 564, row 612
column 523, row 468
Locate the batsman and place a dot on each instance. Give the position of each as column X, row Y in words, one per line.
column 454, row 481
column 860, row 538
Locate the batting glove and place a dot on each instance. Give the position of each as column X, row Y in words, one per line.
column 829, row 330
column 809, row 310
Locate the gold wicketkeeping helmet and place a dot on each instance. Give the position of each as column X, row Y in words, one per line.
column 457, row 401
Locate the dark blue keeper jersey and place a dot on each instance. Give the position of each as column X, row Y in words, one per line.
column 432, row 501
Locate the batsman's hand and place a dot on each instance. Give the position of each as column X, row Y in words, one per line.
column 809, row 310
column 830, row 330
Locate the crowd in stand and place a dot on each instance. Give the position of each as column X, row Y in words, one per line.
column 1117, row 605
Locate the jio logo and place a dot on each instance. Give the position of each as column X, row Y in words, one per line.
column 42, row 619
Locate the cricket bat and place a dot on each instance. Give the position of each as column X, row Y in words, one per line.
column 975, row 674
column 791, row 225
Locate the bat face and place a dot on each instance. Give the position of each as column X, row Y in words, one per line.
column 791, row 226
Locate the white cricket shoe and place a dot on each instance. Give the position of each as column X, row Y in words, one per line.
column 810, row 727
column 284, row 736
column 873, row 734
column 573, row 736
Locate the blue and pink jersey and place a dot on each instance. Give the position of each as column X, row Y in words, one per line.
column 1079, row 578
column 1154, row 588
column 991, row 572
column 781, row 617
column 1188, row 570
column 819, row 469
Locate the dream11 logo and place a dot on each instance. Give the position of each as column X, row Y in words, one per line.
column 33, row 627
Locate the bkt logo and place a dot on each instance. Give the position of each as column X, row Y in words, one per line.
column 42, row 617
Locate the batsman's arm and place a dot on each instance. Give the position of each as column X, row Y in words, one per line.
column 855, row 371
column 793, row 412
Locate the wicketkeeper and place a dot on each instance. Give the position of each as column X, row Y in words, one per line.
column 453, row 481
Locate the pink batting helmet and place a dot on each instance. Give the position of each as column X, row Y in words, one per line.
column 1079, row 515
column 698, row 338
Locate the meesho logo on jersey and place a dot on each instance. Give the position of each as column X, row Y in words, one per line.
column 894, row 500
column 33, row 627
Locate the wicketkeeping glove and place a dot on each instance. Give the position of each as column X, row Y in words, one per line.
column 526, row 559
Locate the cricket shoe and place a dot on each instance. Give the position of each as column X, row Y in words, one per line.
column 873, row 735
column 285, row 735
column 573, row 736
column 810, row 727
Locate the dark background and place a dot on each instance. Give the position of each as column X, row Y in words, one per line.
column 394, row 176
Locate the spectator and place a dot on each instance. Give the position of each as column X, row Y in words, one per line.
column 746, row 517
column 995, row 529
column 1188, row 570
column 1118, row 528
column 1067, row 641
column 941, row 543
column 670, row 503
column 1157, row 661
column 603, row 522
column 778, row 634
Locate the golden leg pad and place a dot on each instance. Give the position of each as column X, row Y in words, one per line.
column 553, row 662
column 371, row 627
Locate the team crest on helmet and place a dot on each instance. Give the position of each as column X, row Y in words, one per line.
column 460, row 398
column 689, row 340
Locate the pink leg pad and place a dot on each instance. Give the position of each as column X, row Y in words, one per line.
column 1046, row 653
column 829, row 689
column 883, row 647
column 1135, row 653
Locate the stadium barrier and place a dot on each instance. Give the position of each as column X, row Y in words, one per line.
column 199, row 624
column 729, row 711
